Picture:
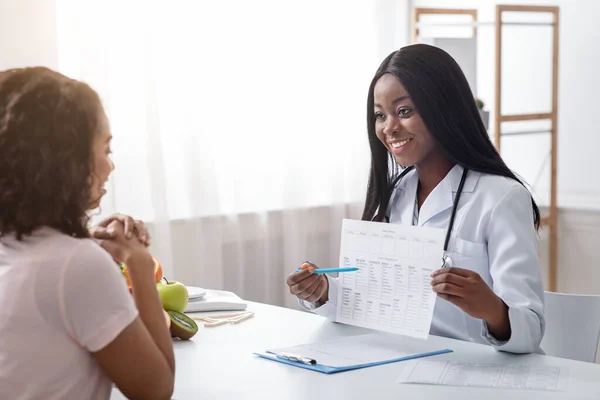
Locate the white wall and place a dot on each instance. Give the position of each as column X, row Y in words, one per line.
column 28, row 33
column 393, row 18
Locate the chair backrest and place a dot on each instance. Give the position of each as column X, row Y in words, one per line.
column 572, row 326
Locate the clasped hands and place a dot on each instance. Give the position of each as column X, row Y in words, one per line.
column 131, row 227
column 124, row 238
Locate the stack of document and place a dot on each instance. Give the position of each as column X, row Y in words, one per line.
column 354, row 352
column 213, row 300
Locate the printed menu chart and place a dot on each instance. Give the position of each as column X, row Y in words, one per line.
column 391, row 291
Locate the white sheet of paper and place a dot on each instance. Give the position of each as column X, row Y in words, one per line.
column 391, row 291
column 504, row 376
column 361, row 349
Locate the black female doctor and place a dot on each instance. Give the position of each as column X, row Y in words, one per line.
column 432, row 163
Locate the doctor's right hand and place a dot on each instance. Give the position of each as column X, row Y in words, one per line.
column 309, row 286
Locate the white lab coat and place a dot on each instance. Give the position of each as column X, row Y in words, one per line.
column 494, row 236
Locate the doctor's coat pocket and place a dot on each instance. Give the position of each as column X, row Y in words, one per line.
column 470, row 255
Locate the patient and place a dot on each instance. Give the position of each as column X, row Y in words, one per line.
column 69, row 327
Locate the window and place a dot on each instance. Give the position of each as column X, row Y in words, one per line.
column 227, row 106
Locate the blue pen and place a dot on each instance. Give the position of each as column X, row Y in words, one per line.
column 328, row 270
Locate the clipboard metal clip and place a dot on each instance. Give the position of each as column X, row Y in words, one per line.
column 296, row 358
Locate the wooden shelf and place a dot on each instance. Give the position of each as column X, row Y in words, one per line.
column 545, row 221
column 549, row 220
column 535, row 9
column 532, row 132
column 524, row 117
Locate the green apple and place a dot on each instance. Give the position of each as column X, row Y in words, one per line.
column 173, row 295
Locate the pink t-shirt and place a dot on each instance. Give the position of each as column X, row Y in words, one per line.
column 61, row 298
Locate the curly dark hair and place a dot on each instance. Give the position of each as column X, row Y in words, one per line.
column 47, row 126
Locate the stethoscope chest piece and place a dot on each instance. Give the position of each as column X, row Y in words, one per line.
column 447, row 262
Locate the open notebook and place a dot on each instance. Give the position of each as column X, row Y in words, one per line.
column 215, row 300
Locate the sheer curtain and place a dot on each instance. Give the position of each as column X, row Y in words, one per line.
column 239, row 127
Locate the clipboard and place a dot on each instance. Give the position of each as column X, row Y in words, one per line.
column 325, row 369
column 353, row 352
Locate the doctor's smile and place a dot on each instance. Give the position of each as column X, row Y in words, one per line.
column 398, row 146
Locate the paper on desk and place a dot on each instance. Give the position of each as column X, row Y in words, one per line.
column 391, row 291
column 502, row 376
column 361, row 349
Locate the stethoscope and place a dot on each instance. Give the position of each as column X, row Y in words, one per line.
column 446, row 260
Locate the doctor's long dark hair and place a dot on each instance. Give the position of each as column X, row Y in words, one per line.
column 443, row 98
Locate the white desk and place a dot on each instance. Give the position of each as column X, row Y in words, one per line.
column 218, row 364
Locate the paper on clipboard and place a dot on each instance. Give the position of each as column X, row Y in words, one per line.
column 361, row 349
column 356, row 352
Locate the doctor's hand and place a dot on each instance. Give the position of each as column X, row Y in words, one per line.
column 309, row 286
column 467, row 290
column 131, row 228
